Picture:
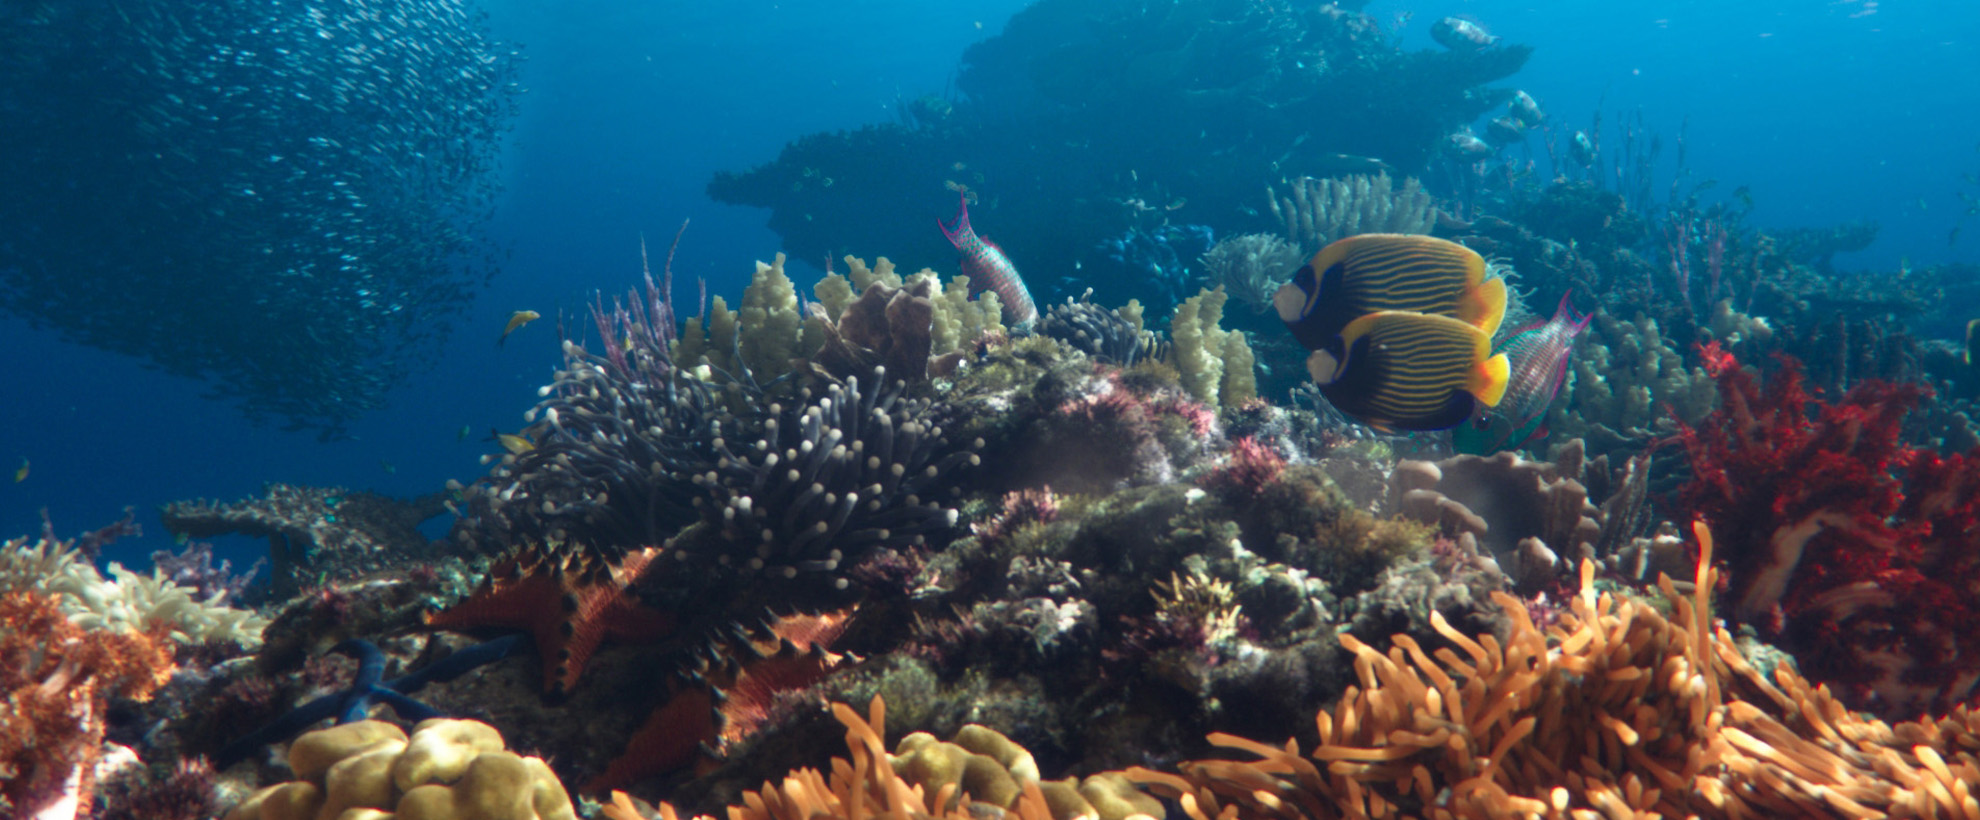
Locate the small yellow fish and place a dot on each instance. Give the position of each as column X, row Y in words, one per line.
column 387, row 466
column 182, row 538
column 1972, row 358
column 514, row 443
column 21, row 474
column 466, row 430
column 516, row 321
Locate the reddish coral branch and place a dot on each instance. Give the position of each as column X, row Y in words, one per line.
column 56, row 679
column 1858, row 552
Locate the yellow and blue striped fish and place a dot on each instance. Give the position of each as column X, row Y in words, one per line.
column 1411, row 371
column 1373, row 272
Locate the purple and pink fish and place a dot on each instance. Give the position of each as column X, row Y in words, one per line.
column 989, row 269
column 1539, row 356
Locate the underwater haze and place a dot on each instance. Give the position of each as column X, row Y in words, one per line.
column 1828, row 113
column 1140, row 392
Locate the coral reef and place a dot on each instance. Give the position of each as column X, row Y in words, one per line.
column 316, row 535
column 567, row 600
column 1628, row 385
column 1535, row 519
column 1079, row 121
column 368, row 686
column 445, row 770
column 57, row 679
column 1318, row 211
column 980, row 771
column 1216, row 364
column 1251, row 267
column 1615, row 711
column 127, row 601
column 1852, row 548
column 1113, row 336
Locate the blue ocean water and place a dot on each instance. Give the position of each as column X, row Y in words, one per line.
column 1827, row 111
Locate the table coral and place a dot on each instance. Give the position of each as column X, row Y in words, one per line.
column 1853, row 548
column 325, row 532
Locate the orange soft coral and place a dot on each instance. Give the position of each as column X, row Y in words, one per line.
column 56, row 678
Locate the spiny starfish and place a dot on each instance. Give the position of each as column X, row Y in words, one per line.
column 728, row 696
column 569, row 600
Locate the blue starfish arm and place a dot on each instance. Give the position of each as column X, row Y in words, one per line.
column 371, row 669
column 456, row 664
column 407, row 708
column 284, row 727
column 366, row 687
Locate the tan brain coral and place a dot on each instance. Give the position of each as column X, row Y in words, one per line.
column 447, row 770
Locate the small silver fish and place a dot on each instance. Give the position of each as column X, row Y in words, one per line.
column 1459, row 34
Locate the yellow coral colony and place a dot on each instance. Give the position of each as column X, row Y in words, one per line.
column 447, row 770
column 1216, row 364
column 772, row 329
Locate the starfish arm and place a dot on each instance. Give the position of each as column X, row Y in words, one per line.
column 456, row 664
column 284, row 727
column 407, row 708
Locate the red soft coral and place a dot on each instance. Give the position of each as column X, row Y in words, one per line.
column 1859, row 553
column 56, row 680
column 1252, row 465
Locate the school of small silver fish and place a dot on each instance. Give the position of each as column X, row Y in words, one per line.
column 283, row 193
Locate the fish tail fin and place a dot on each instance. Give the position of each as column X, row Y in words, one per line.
column 1489, row 379
column 1578, row 320
column 1486, row 306
column 958, row 232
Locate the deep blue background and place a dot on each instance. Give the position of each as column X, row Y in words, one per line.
column 1829, row 113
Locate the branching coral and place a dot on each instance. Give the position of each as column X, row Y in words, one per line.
column 978, row 774
column 1854, row 548
column 1216, row 364
column 1627, row 379
column 1319, row 211
column 57, row 679
column 1251, row 267
column 1616, row 711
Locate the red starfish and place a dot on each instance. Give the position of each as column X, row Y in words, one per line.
column 728, row 698
column 569, row 601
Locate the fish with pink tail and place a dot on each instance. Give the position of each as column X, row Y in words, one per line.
column 989, row 269
column 1539, row 354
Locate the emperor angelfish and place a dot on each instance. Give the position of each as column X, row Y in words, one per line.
column 1359, row 275
column 1411, row 371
